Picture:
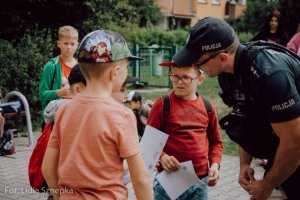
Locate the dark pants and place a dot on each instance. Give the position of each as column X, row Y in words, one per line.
column 291, row 186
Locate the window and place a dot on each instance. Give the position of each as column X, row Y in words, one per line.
column 202, row 1
column 216, row 1
column 243, row 2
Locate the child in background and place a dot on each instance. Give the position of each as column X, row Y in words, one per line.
column 93, row 133
column 140, row 108
column 54, row 79
column 77, row 85
column 294, row 43
column 121, row 96
column 273, row 30
column 193, row 133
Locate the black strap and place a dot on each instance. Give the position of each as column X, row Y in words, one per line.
column 51, row 88
column 207, row 106
column 260, row 45
column 166, row 106
column 52, row 82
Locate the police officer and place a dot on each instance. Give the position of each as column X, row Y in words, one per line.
column 264, row 86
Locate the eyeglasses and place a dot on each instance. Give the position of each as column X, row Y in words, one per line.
column 198, row 64
column 184, row 79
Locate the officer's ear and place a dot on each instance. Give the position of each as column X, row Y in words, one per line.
column 224, row 57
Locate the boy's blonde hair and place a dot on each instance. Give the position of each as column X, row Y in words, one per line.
column 67, row 32
column 95, row 70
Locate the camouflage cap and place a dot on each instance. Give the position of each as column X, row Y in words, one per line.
column 102, row 46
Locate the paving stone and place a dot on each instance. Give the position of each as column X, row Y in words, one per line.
column 14, row 178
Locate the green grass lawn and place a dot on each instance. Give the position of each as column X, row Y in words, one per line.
column 210, row 90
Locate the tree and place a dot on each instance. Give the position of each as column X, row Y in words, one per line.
column 85, row 15
column 122, row 13
column 255, row 15
column 17, row 16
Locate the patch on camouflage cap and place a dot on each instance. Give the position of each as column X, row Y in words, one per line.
column 102, row 46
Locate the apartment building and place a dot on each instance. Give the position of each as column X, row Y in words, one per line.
column 185, row 13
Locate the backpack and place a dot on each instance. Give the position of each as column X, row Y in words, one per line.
column 7, row 146
column 36, row 178
column 245, row 125
column 166, row 106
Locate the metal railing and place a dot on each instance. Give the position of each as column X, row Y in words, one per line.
column 27, row 112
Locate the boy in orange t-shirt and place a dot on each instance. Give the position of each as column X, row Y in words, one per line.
column 54, row 78
column 93, row 134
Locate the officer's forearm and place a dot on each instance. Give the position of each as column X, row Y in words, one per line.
column 245, row 158
column 287, row 160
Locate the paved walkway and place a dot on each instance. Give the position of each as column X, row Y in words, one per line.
column 14, row 179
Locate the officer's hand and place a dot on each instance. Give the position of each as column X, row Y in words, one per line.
column 246, row 176
column 169, row 163
column 259, row 190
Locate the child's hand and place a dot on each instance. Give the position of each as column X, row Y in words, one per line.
column 169, row 163
column 64, row 92
column 150, row 102
column 213, row 175
column 1, row 119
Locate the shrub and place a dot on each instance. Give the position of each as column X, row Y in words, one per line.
column 22, row 63
column 245, row 37
column 151, row 35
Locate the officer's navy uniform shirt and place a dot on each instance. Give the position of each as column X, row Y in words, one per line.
column 272, row 83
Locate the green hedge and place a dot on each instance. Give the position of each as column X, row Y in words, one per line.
column 22, row 63
column 151, row 35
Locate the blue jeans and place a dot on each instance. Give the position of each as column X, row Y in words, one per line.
column 198, row 191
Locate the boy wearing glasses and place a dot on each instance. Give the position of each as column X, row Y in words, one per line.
column 193, row 132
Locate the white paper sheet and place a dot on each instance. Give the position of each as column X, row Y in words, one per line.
column 152, row 144
column 177, row 182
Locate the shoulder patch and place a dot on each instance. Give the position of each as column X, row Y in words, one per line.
column 255, row 72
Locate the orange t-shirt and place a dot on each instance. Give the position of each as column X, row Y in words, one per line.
column 65, row 72
column 93, row 136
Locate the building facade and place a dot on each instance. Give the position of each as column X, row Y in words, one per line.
column 185, row 13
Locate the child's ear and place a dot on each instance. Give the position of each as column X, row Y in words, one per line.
column 75, row 89
column 114, row 72
column 201, row 79
column 78, row 88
